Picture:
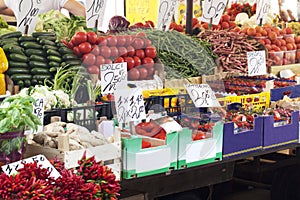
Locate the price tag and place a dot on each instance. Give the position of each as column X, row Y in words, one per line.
column 256, row 63
column 12, row 168
column 262, row 10
column 213, row 11
column 95, row 13
column 38, row 110
column 202, row 95
column 130, row 105
column 166, row 10
column 112, row 75
column 141, row 11
column 27, row 16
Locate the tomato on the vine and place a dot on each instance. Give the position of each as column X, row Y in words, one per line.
column 114, row 52
column 85, row 47
column 150, row 52
column 130, row 51
column 138, row 43
column 108, row 61
column 141, row 35
column 93, row 69
column 133, row 74
column 128, row 39
column 130, row 62
column 122, row 51
column 121, row 40
column 78, row 38
column 137, row 61
column 105, row 51
column 88, row 59
column 76, row 51
column 140, row 53
column 147, row 43
column 150, row 72
column 95, row 50
column 148, row 62
column 92, row 37
column 100, row 60
column 101, row 40
column 143, row 73
column 111, row 41
column 119, row 60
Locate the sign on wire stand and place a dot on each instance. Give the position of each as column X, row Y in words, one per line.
column 27, row 16
column 213, row 11
column 38, row 110
column 95, row 13
column 166, row 10
column 202, row 95
column 262, row 10
column 256, row 63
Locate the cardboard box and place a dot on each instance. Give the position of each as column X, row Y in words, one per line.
column 194, row 153
column 159, row 158
column 235, row 144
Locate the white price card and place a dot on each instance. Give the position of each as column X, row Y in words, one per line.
column 213, row 11
column 113, row 75
column 256, row 63
column 166, row 10
column 202, row 95
column 95, row 13
column 38, row 110
column 262, row 10
column 130, row 105
column 27, row 16
column 11, row 169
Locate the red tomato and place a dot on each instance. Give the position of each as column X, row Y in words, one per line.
column 141, row 35
column 85, row 47
column 78, row 38
column 128, row 39
column 114, row 52
column 143, row 73
column 121, row 40
column 92, row 37
column 105, row 51
column 148, row 62
column 140, row 53
column 111, row 41
column 88, row 59
column 147, row 43
column 76, row 51
column 137, row 61
column 119, row 60
column 95, row 50
column 100, row 60
column 133, row 74
column 138, row 43
column 130, row 51
column 130, row 62
column 122, row 51
column 93, row 69
column 108, row 61
column 150, row 52
column 150, row 72
column 101, row 41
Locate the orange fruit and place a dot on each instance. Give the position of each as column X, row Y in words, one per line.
column 251, row 31
column 258, row 29
column 289, row 30
column 289, row 40
column 264, row 32
column 289, row 46
column 272, row 36
column 267, row 41
column 283, row 48
column 297, row 39
column 244, row 30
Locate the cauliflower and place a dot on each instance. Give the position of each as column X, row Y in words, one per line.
column 63, row 100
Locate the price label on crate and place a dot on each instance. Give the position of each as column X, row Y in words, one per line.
column 213, row 11
column 202, row 95
column 95, row 13
column 256, row 63
column 112, row 75
column 262, row 10
column 38, row 110
column 130, row 105
column 11, row 169
column 27, row 16
column 166, row 10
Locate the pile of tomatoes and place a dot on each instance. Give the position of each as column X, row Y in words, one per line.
column 135, row 49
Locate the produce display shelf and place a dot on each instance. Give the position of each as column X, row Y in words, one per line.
column 276, row 69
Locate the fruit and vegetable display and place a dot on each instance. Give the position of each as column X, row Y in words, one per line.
column 237, row 8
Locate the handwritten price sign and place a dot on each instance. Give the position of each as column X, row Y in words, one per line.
column 256, row 63
column 262, row 10
column 28, row 15
column 130, row 105
column 38, row 110
column 95, row 13
column 111, row 75
column 202, row 95
column 213, row 10
column 166, row 10
column 12, row 168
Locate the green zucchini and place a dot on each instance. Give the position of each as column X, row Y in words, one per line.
column 20, row 77
column 13, row 70
column 48, row 42
column 38, row 71
column 73, row 62
column 38, row 34
column 37, row 58
column 38, row 52
column 54, row 64
column 37, row 64
column 60, row 44
column 34, row 82
column 46, row 47
column 20, row 83
column 42, row 77
column 31, row 45
column 51, row 52
column 15, row 34
column 26, row 38
column 54, row 58
column 53, row 69
column 16, row 64
column 69, row 56
column 27, row 83
column 16, row 49
column 4, row 42
column 47, row 38
column 65, row 50
column 18, row 57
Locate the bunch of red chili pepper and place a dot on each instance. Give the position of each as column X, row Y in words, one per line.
column 91, row 181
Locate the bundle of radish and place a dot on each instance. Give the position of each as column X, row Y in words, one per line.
column 231, row 48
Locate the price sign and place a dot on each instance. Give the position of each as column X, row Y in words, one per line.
column 166, row 10
column 262, row 10
column 213, row 11
column 130, row 105
column 38, row 110
column 27, row 16
column 12, row 168
column 202, row 95
column 112, row 75
column 256, row 63
column 95, row 13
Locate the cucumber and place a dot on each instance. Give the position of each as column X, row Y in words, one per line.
column 38, row 34
column 54, row 58
column 69, row 56
column 42, row 77
column 16, row 64
column 60, row 44
column 27, row 38
column 47, row 38
column 20, row 77
column 37, row 58
column 73, row 62
column 34, row 82
column 18, row 57
column 37, row 64
column 27, row 83
column 37, row 71
column 4, row 42
column 53, row 69
column 54, row 64
column 46, row 47
column 48, row 42
column 51, row 52
column 16, row 49
column 10, row 40
column 13, row 70
column 30, row 52
column 15, row 34
column 31, row 45
column 20, row 83
column 6, row 47
column 65, row 50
